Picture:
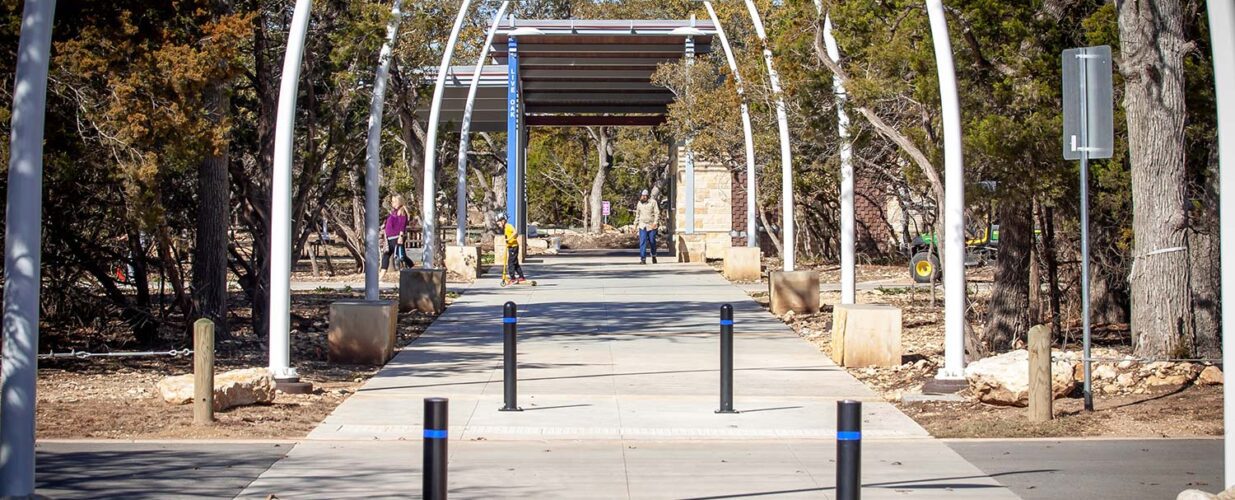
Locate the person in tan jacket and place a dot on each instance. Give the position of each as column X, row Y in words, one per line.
column 647, row 221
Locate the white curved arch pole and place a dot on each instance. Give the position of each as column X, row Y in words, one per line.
column 1222, row 33
column 23, row 252
column 847, row 260
column 373, row 157
column 281, row 197
column 782, row 124
column 752, row 234
column 954, row 199
column 429, row 203
column 465, row 136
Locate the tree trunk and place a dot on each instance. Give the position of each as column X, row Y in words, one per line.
column 1205, row 274
column 1153, row 46
column 1035, row 273
column 604, row 152
column 1009, row 309
column 1051, row 257
column 213, row 214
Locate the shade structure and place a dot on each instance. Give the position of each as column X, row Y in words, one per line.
column 574, row 73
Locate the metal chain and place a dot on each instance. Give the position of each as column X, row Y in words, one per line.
column 86, row 355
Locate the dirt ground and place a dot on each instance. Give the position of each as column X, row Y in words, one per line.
column 116, row 398
column 1178, row 411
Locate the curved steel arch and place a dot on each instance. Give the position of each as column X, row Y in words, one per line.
column 23, row 251
column 752, row 235
column 954, row 199
column 465, row 132
column 782, row 125
column 847, row 226
column 373, row 156
column 429, row 203
column 281, row 197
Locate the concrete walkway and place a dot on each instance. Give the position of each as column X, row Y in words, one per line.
column 618, row 380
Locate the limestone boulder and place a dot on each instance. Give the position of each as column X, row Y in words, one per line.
column 1004, row 379
column 1211, row 375
column 231, row 388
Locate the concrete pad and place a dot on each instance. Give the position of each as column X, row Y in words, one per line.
column 463, row 261
column 866, row 335
column 743, row 263
column 796, row 291
column 362, row 332
column 422, row 290
column 618, row 379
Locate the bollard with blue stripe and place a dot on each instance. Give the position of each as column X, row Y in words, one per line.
column 436, row 423
column 848, row 450
column 726, row 359
column 510, row 364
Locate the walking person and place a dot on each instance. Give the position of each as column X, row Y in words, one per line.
column 512, row 267
column 647, row 220
column 396, row 226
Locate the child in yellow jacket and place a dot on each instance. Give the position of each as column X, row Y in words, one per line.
column 512, row 254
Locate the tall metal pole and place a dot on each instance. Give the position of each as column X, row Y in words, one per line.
column 23, row 236
column 752, row 232
column 1222, row 33
column 848, row 292
column 373, row 157
column 782, row 125
column 429, row 203
column 954, row 199
column 465, row 132
column 1087, row 392
column 281, row 197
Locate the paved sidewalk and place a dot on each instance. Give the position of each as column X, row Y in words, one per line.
column 618, row 377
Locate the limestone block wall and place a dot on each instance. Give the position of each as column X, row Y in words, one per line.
column 713, row 204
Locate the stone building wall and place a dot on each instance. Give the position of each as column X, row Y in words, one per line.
column 713, row 205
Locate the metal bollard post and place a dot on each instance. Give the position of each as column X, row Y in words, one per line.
column 434, row 485
column 510, row 365
column 848, row 450
column 726, row 359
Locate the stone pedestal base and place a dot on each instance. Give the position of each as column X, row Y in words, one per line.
column 362, row 332
column 743, row 263
column 422, row 290
column 690, row 248
column 463, row 261
column 499, row 251
column 796, row 291
column 866, row 335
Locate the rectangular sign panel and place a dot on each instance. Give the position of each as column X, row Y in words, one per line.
column 1088, row 106
column 604, row 207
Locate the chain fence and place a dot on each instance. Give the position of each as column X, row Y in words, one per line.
column 135, row 354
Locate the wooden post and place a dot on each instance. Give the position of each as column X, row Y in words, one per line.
column 203, row 372
column 1041, row 397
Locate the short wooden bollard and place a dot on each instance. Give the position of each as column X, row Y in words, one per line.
column 203, row 372
column 1041, row 395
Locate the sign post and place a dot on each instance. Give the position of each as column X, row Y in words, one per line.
column 604, row 210
column 1088, row 133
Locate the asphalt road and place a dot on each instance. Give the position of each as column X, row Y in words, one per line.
column 1125, row 469
column 1033, row 469
column 151, row 470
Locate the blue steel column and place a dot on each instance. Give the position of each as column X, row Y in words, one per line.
column 513, row 135
column 524, row 136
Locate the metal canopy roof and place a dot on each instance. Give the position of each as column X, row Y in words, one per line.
column 575, row 73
